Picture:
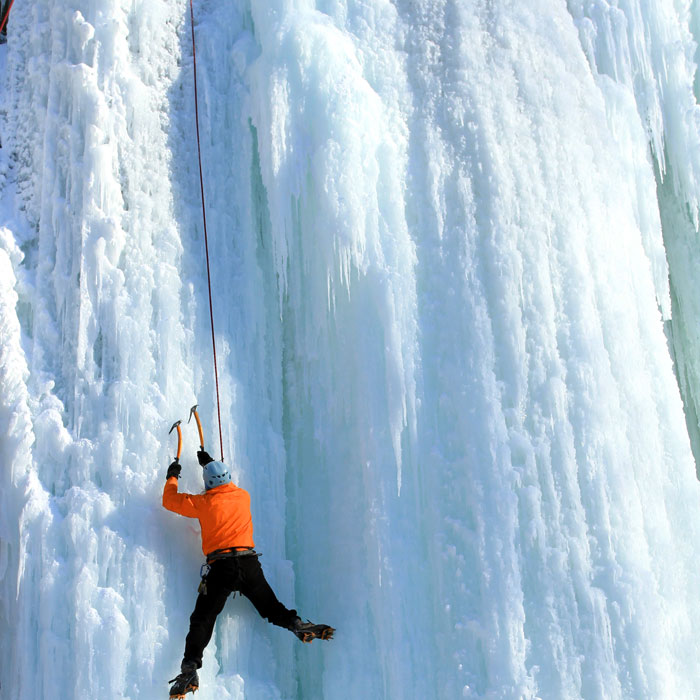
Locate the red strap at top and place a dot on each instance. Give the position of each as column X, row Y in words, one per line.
column 3, row 21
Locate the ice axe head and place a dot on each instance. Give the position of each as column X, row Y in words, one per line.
column 176, row 424
column 193, row 410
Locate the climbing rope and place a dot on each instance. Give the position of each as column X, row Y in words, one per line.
column 3, row 21
column 206, row 239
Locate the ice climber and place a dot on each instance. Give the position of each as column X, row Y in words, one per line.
column 223, row 511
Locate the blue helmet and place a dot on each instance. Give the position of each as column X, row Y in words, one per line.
column 215, row 474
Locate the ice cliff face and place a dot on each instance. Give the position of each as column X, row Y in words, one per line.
column 454, row 258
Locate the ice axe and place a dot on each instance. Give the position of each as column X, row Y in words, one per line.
column 193, row 410
column 176, row 424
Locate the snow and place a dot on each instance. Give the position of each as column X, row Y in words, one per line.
column 454, row 257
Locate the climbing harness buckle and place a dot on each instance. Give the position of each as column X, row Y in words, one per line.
column 203, row 573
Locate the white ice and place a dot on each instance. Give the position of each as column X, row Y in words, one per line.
column 454, row 256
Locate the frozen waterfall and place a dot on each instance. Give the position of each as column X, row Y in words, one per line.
column 456, row 293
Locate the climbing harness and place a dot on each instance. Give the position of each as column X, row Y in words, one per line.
column 231, row 552
column 203, row 573
column 228, row 553
column 206, row 239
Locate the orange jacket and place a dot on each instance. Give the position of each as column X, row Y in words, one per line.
column 223, row 512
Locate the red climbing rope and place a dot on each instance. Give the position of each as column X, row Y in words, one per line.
column 206, row 240
column 3, row 21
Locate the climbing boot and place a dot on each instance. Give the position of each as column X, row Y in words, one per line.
column 186, row 682
column 308, row 631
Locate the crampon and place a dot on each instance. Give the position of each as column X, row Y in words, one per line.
column 186, row 682
column 308, row 631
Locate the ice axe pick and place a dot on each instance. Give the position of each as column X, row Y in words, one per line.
column 176, row 424
column 193, row 410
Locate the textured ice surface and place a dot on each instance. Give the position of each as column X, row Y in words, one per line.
column 454, row 258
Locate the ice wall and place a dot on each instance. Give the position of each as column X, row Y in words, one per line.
column 643, row 58
column 441, row 237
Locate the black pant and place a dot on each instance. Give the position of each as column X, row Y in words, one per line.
column 243, row 574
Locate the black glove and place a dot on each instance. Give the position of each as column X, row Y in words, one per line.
column 174, row 470
column 204, row 458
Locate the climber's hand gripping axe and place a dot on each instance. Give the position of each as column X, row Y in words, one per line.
column 193, row 410
column 176, row 424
